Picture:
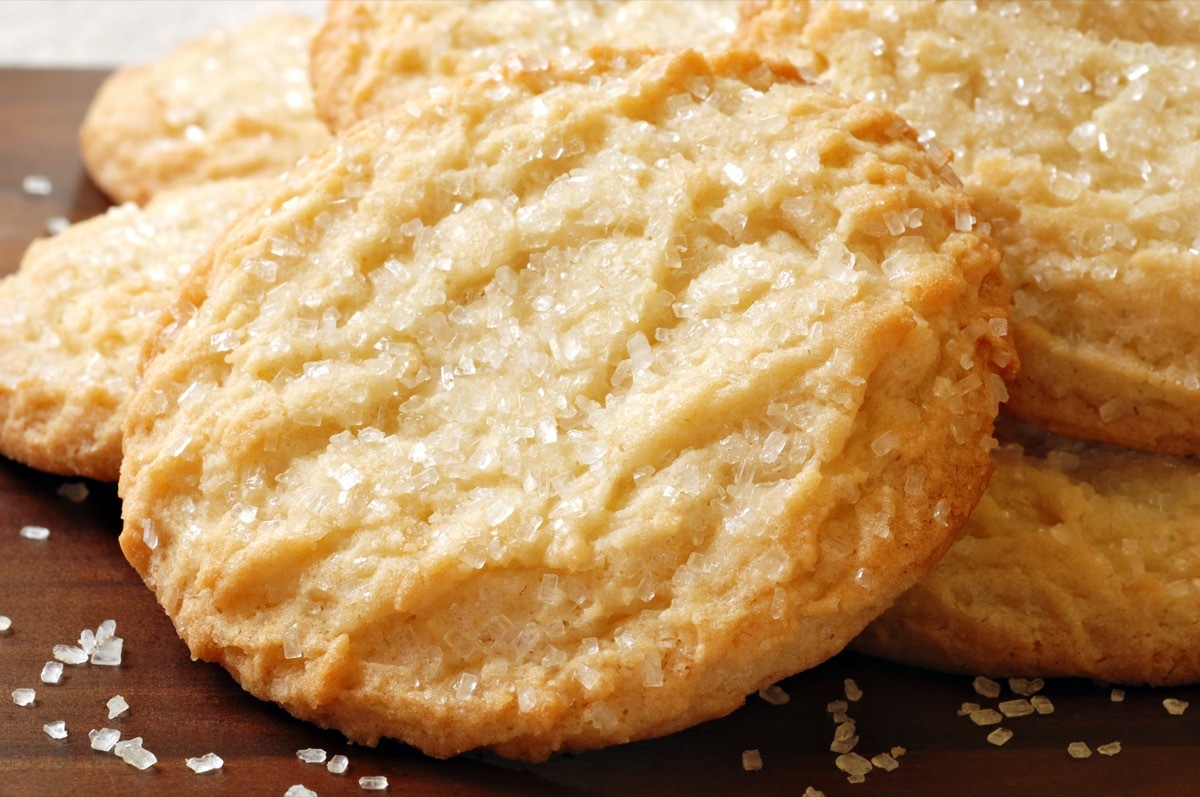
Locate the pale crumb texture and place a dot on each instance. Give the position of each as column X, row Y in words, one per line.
column 369, row 57
column 1072, row 124
column 1081, row 560
column 74, row 316
column 549, row 425
column 231, row 104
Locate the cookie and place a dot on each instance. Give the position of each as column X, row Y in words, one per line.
column 231, row 104
column 372, row 56
column 74, row 316
column 568, row 407
column 1079, row 150
column 1080, row 560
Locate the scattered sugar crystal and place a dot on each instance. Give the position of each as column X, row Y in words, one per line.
column 299, row 790
column 338, row 764
column 104, row 739
column 1025, row 688
column 835, row 706
column 853, row 764
column 999, row 736
column 1116, row 695
column 5, row 623
column 56, row 730
column 108, row 652
column 1110, row 749
column 373, row 783
column 811, row 792
column 69, row 654
column 843, row 745
column 73, row 491
column 1078, row 750
column 1041, row 704
column 87, row 641
column 117, row 706
column 967, row 708
column 105, row 631
column 652, row 672
column 853, row 693
column 897, row 752
column 885, row 762
column 205, row 763
column 37, row 185
column 56, row 224
column 751, row 760
column 35, row 532
column 23, row 697
column 774, row 695
column 1016, row 708
column 986, row 687
column 986, row 716
column 131, row 752
column 311, row 755
column 1175, row 707
column 52, row 672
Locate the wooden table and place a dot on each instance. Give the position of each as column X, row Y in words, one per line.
column 77, row 578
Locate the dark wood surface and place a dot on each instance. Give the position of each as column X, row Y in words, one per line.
column 77, row 578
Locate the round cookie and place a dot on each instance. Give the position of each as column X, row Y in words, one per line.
column 568, row 407
column 372, row 56
column 74, row 317
column 231, row 104
column 1080, row 150
column 1080, row 560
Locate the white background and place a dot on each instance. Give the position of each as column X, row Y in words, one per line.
column 108, row 33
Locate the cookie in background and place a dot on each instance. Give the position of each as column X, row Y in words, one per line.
column 371, row 56
column 1079, row 148
column 234, row 103
column 74, row 317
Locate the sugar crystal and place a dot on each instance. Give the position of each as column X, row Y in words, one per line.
column 299, row 790
column 1110, row 749
column 1041, row 704
column 23, row 697
column 108, row 652
column 999, row 736
column 56, row 224
column 205, row 763
column 986, row 687
column 751, row 760
column 1021, row 686
column 69, row 654
column 73, row 491
column 338, row 764
column 853, row 693
column 885, row 762
column 311, row 755
column 373, row 783
column 464, row 685
column 35, row 532
column 104, row 739
column 52, row 672
column 131, row 752
column 37, row 185
column 811, row 792
column 1016, row 708
column 985, row 716
column 1116, row 695
column 1175, row 707
column 1079, row 750
column 774, row 695
column 117, row 706
column 5, row 623
column 56, row 730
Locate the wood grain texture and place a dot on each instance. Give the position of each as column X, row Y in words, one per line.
column 55, row 588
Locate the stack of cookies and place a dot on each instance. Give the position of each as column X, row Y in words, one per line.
column 598, row 364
